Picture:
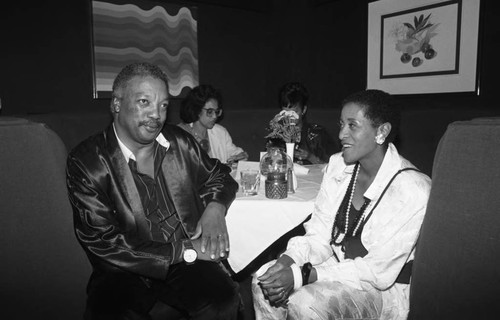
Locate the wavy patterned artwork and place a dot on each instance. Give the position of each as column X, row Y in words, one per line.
column 165, row 35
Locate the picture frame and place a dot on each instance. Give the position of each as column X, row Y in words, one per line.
column 129, row 31
column 423, row 46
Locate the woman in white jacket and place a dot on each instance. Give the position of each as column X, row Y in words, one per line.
column 354, row 262
column 200, row 111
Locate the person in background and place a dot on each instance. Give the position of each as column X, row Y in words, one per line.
column 316, row 145
column 200, row 111
column 149, row 210
column 354, row 261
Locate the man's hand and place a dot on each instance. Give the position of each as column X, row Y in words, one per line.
column 213, row 229
column 202, row 255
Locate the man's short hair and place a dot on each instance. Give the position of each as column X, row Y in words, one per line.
column 142, row 69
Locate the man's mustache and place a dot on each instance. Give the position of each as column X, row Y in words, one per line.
column 151, row 123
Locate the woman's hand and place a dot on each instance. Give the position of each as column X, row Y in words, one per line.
column 240, row 156
column 302, row 154
column 277, row 282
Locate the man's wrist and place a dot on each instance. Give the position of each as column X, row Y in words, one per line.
column 189, row 254
column 217, row 205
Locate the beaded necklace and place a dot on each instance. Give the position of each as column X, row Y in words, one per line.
column 341, row 227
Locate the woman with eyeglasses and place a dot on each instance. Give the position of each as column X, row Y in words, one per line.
column 200, row 111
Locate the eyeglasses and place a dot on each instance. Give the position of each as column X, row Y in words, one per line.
column 211, row 112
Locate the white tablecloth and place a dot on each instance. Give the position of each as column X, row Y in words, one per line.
column 255, row 222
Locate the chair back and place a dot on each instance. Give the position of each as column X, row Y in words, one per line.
column 43, row 270
column 456, row 272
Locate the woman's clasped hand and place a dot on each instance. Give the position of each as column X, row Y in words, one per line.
column 277, row 284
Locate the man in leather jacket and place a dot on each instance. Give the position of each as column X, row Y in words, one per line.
column 144, row 195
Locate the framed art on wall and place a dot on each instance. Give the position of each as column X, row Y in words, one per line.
column 423, row 46
column 129, row 31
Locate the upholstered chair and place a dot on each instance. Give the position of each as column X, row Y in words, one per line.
column 456, row 271
column 43, row 270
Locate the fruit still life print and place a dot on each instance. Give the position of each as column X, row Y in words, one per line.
column 414, row 40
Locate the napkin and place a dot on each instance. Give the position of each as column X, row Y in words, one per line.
column 300, row 170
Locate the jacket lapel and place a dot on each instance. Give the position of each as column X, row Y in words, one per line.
column 126, row 184
column 178, row 182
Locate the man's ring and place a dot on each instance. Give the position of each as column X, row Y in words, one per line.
column 219, row 236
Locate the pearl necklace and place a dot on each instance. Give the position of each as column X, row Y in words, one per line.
column 339, row 238
column 364, row 210
column 350, row 199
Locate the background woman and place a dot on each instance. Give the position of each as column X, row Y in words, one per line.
column 316, row 145
column 354, row 262
column 200, row 111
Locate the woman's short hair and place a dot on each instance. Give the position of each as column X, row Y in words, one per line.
column 379, row 107
column 196, row 99
column 293, row 93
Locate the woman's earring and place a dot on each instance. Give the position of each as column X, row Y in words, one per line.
column 379, row 139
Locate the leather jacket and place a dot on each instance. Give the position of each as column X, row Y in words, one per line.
column 109, row 220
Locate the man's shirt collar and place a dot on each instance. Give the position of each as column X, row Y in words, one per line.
column 129, row 154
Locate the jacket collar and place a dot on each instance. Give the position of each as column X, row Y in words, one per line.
column 126, row 151
column 390, row 165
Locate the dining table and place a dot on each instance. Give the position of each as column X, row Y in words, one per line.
column 255, row 222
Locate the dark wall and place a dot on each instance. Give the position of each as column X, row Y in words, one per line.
column 247, row 52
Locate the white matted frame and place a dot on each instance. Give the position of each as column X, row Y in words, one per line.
column 423, row 46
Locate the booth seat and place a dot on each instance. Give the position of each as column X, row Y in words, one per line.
column 43, row 270
column 44, row 267
column 418, row 138
column 456, row 273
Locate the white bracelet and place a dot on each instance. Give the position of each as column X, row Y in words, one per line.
column 297, row 276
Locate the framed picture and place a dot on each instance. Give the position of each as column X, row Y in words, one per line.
column 423, row 46
column 129, row 31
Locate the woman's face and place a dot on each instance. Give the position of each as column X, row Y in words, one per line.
column 209, row 114
column 357, row 134
column 301, row 111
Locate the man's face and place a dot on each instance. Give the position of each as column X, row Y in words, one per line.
column 140, row 111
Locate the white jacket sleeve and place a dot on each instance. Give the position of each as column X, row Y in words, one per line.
column 221, row 143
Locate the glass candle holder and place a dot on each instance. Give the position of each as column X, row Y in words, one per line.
column 274, row 166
